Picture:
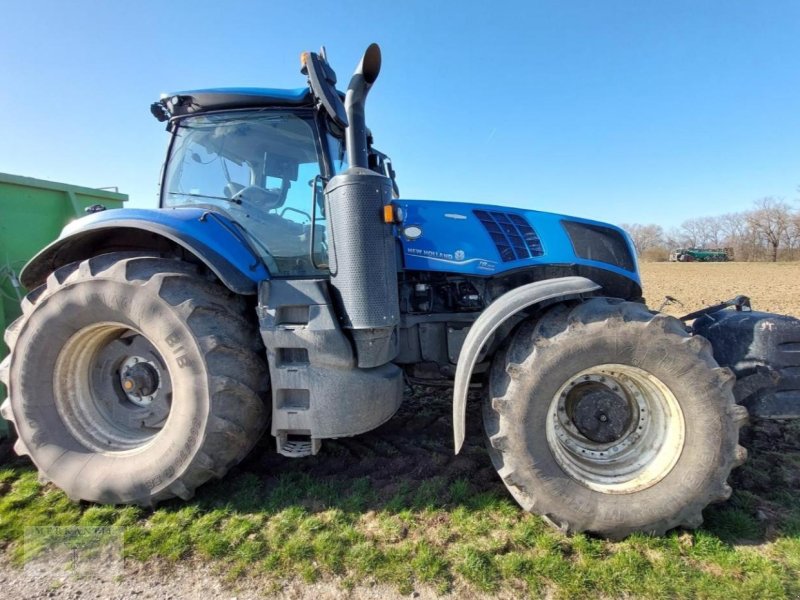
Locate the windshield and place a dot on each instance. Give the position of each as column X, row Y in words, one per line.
column 261, row 169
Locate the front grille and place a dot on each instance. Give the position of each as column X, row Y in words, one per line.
column 512, row 234
column 603, row 244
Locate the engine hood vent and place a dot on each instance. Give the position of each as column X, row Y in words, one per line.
column 511, row 233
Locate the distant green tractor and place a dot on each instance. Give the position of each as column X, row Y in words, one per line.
column 701, row 255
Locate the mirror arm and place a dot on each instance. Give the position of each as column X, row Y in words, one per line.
column 312, row 237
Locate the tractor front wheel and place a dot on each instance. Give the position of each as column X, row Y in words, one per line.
column 133, row 379
column 603, row 417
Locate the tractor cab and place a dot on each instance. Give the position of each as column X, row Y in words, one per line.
column 263, row 157
column 261, row 168
column 260, row 158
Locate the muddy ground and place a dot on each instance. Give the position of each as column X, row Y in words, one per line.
column 414, row 447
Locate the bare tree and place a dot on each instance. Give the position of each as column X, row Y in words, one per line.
column 793, row 234
column 645, row 237
column 676, row 238
column 770, row 221
column 733, row 228
column 690, row 232
column 770, row 229
column 702, row 232
column 736, row 233
column 710, row 231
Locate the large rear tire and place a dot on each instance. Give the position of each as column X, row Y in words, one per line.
column 603, row 417
column 133, row 379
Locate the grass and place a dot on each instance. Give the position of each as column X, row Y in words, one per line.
column 453, row 534
column 438, row 536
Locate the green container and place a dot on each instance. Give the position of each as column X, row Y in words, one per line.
column 32, row 214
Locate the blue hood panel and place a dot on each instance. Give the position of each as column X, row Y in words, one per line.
column 446, row 237
column 452, row 239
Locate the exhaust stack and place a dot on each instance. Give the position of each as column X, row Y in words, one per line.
column 361, row 250
column 356, row 96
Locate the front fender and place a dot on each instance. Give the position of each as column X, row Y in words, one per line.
column 211, row 237
column 499, row 311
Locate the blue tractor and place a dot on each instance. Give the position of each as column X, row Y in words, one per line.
column 283, row 281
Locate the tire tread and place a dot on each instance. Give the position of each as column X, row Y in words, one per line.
column 516, row 360
column 231, row 347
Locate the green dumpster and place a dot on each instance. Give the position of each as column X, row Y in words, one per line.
column 32, row 214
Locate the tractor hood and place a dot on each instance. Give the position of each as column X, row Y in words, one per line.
column 479, row 239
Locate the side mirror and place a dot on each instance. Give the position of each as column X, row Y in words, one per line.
column 322, row 80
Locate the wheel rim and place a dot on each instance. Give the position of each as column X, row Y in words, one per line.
column 615, row 428
column 112, row 388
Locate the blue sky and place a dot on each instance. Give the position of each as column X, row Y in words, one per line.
column 636, row 111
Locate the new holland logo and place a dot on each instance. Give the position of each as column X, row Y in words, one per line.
column 459, row 255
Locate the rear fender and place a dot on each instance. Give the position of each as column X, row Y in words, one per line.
column 500, row 311
column 209, row 236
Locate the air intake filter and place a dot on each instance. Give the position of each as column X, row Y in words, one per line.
column 363, row 264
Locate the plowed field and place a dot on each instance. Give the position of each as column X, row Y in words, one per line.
column 772, row 287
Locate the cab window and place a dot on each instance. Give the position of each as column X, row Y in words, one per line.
column 260, row 169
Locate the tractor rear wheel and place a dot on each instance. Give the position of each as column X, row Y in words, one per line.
column 603, row 417
column 133, row 379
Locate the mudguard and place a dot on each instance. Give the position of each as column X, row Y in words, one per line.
column 491, row 319
column 208, row 235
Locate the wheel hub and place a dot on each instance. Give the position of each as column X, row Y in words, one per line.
column 598, row 412
column 615, row 428
column 114, row 392
column 139, row 379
